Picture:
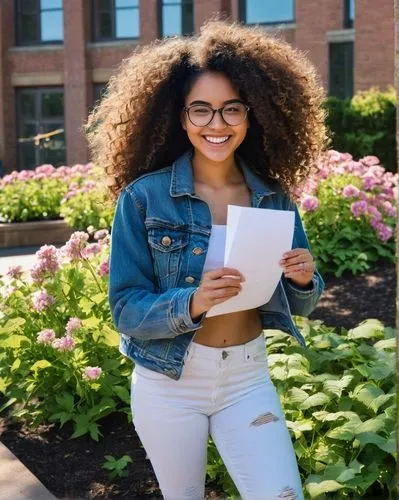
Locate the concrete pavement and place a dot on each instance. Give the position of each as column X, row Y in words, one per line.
column 17, row 482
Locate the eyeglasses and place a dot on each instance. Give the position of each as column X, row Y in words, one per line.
column 201, row 115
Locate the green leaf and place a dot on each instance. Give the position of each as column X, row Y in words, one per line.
column 122, row 393
column 368, row 329
column 385, row 344
column 296, row 395
column 337, row 386
column 16, row 364
column 14, row 341
column 12, row 325
column 91, row 323
column 316, row 485
column 110, row 336
column 40, row 365
column 317, row 399
column 387, row 445
column 299, row 427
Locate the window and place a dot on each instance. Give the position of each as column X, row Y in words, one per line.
column 40, row 111
column 267, row 12
column 176, row 17
column 116, row 19
column 341, row 69
column 39, row 21
column 349, row 13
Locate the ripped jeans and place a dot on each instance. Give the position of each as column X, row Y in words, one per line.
column 227, row 393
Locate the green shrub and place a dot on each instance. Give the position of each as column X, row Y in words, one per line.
column 59, row 362
column 339, row 400
column 349, row 213
column 32, row 195
column 365, row 125
column 88, row 208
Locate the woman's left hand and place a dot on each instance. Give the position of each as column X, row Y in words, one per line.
column 298, row 265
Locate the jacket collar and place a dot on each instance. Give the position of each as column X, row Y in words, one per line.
column 182, row 182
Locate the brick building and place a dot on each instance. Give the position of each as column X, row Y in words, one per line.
column 56, row 56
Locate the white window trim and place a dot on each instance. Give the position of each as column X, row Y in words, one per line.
column 338, row 36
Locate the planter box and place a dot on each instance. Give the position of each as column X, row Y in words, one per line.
column 26, row 234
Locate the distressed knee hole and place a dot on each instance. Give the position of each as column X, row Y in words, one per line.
column 265, row 418
column 288, row 493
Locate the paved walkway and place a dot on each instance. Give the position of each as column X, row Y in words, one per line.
column 17, row 256
column 17, row 482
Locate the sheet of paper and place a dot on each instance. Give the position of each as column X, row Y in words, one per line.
column 256, row 239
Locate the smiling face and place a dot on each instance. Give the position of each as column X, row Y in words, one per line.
column 217, row 140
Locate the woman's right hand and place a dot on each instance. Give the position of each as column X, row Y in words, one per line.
column 216, row 286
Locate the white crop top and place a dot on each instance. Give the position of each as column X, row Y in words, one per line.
column 217, row 242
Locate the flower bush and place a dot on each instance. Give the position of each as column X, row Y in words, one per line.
column 89, row 204
column 32, row 195
column 349, row 212
column 59, row 362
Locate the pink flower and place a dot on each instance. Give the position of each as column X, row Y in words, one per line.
column 374, row 212
column 349, row 191
column 41, row 300
column 73, row 325
column 310, row 203
column 46, row 169
column 65, row 343
column 388, row 208
column 46, row 336
column 101, row 234
column 384, row 232
column 74, row 246
column 369, row 181
column 370, row 160
column 14, row 272
column 91, row 373
column 358, row 208
column 91, row 250
column 103, row 268
column 47, row 262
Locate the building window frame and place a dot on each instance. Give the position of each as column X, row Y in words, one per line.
column 348, row 20
column 242, row 13
column 38, row 120
column 161, row 5
column 349, row 76
column 95, row 9
column 20, row 40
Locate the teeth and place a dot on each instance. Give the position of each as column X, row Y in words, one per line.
column 216, row 140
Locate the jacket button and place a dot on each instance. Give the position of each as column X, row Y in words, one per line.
column 166, row 241
column 189, row 279
column 197, row 251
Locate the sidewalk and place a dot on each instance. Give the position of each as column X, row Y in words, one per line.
column 17, row 482
column 24, row 256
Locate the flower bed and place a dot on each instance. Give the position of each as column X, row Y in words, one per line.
column 59, row 363
column 349, row 213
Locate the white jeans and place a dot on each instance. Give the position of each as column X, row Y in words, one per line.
column 227, row 393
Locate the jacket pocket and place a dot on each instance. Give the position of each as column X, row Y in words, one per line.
column 167, row 244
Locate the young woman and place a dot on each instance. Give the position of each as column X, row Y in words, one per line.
column 187, row 127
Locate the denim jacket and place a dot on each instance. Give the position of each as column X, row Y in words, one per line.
column 159, row 240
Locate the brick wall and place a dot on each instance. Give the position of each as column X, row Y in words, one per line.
column 313, row 21
column 79, row 63
column 375, row 44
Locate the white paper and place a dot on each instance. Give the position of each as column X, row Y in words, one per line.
column 256, row 239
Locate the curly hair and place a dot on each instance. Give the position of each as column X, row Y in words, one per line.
column 136, row 127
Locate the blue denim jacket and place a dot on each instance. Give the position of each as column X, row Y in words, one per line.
column 159, row 240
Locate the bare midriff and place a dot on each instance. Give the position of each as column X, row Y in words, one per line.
column 233, row 328
column 229, row 329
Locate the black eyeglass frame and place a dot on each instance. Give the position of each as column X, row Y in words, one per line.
column 214, row 111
